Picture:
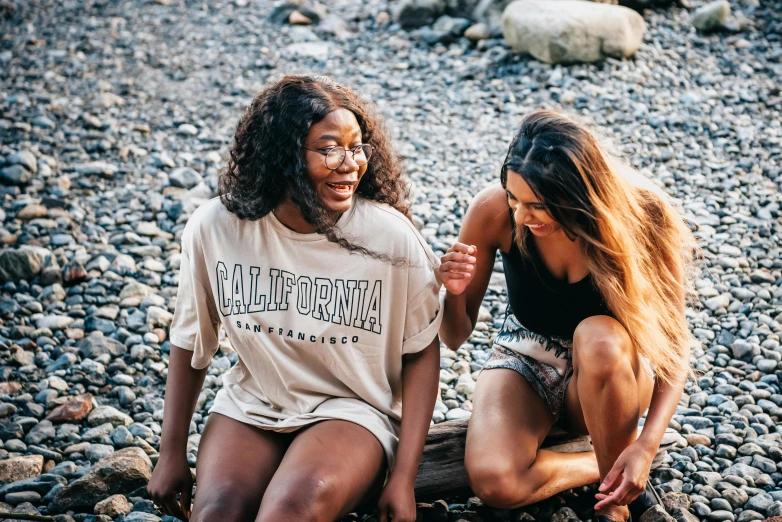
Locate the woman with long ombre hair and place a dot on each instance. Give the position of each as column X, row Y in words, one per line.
column 597, row 263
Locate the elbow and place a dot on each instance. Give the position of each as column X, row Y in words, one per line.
column 451, row 339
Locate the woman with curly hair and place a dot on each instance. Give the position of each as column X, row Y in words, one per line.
column 329, row 296
column 596, row 263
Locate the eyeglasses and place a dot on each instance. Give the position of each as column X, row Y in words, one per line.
column 335, row 156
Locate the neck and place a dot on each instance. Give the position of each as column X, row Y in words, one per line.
column 288, row 213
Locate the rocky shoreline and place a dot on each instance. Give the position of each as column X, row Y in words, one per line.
column 115, row 117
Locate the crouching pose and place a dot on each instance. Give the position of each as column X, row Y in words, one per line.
column 596, row 265
column 329, row 297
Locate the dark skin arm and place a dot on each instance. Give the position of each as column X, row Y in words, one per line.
column 467, row 266
column 420, row 381
column 172, row 473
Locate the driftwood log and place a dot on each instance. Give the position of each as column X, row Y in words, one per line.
column 441, row 473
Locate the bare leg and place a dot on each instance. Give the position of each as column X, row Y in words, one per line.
column 235, row 463
column 615, row 388
column 509, row 423
column 327, row 471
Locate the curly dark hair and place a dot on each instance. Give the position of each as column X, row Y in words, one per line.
column 267, row 159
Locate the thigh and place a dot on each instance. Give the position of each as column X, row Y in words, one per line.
column 235, row 464
column 330, row 467
column 509, row 420
column 573, row 416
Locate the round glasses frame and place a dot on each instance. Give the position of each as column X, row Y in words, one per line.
column 365, row 149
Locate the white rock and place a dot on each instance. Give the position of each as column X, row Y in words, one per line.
column 457, row 414
column 570, row 31
column 99, row 263
column 124, row 264
column 54, row 322
column 136, row 289
column 711, row 16
column 465, row 385
column 104, row 414
column 715, row 303
column 447, row 376
column 97, row 167
column 187, row 129
column 153, row 265
column 316, row 50
column 157, row 316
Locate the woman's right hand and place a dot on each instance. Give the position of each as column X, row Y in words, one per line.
column 172, row 476
column 457, row 267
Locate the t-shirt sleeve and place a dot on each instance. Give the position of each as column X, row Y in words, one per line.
column 195, row 324
column 424, row 305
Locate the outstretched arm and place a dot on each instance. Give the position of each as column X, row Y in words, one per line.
column 420, row 381
column 172, row 473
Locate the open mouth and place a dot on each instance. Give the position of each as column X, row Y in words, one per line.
column 342, row 190
column 537, row 227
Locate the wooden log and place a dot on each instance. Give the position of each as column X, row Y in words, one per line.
column 442, row 474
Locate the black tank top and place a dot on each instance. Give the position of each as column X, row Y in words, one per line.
column 542, row 303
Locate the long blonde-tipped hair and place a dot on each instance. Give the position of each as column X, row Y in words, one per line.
column 639, row 250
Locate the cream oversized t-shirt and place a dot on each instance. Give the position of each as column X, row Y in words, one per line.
column 319, row 332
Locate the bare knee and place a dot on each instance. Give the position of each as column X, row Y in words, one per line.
column 223, row 508
column 601, row 348
column 497, row 482
column 304, row 499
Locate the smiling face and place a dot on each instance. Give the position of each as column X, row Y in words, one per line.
column 528, row 210
column 336, row 187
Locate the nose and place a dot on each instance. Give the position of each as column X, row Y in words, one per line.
column 348, row 164
column 519, row 214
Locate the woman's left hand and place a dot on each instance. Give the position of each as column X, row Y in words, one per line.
column 397, row 503
column 627, row 478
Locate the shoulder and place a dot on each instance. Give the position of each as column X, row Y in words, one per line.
column 489, row 204
column 488, row 218
column 386, row 226
column 210, row 216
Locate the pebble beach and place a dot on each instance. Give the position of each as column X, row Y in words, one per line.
column 116, row 117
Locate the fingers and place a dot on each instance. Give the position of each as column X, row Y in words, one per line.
column 458, row 257
column 622, row 496
column 455, row 275
column 456, row 267
column 171, row 507
column 604, row 501
column 463, row 249
column 185, row 500
column 608, row 482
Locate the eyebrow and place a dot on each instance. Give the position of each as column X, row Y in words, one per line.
column 331, row 137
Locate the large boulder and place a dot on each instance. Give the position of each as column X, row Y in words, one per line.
column 24, row 262
column 124, row 470
column 572, row 31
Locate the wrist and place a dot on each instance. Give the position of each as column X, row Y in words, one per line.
column 402, row 476
column 648, row 445
column 174, row 448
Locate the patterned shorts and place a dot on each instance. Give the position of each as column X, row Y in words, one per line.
column 549, row 383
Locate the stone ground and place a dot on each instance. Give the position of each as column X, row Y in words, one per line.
column 115, row 117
